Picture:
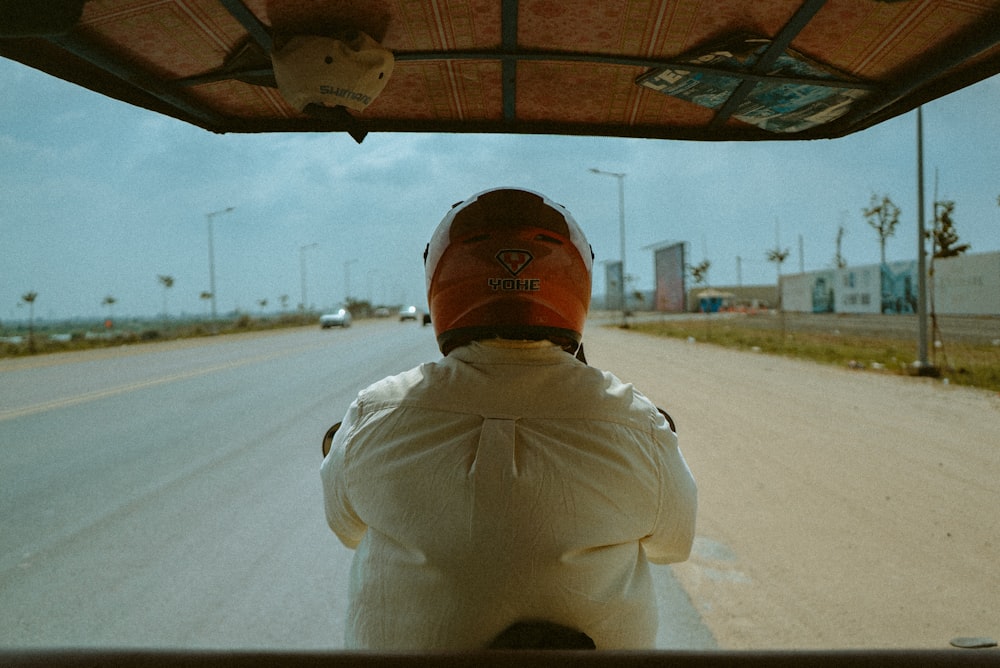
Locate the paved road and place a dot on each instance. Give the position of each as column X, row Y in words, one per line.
column 168, row 495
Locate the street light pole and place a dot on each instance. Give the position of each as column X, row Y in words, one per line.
column 211, row 256
column 347, row 280
column 621, row 234
column 922, row 336
column 302, row 270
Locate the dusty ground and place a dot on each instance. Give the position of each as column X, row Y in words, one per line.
column 838, row 508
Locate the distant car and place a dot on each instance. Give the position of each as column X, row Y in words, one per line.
column 408, row 313
column 339, row 318
column 382, row 312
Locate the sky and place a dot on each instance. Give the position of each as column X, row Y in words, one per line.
column 99, row 198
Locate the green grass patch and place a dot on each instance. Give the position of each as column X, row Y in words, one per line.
column 61, row 337
column 976, row 365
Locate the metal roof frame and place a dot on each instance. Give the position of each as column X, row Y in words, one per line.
column 72, row 55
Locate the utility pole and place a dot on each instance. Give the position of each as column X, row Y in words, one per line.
column 211, row 256
column 921, row 255
column 302, row 272
column 621, row 236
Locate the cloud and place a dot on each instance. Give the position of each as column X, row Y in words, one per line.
column 106, row 196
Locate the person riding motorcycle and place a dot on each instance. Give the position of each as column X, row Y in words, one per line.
column 508, row 482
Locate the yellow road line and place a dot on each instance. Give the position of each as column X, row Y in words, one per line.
column 11, row 413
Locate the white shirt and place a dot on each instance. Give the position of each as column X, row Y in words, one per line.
column 506, row 482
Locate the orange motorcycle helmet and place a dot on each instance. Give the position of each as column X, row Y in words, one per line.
column 509, row 264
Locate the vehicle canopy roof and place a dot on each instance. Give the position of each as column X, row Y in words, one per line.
column 675, row 69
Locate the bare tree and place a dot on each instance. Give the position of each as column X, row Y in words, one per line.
column 838, row 260
column 944, row 242
column 943, row 235
column 883, row 216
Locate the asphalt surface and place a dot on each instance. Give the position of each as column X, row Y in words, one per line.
column 167, row 495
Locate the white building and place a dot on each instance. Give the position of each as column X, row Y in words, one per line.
column 964, row 285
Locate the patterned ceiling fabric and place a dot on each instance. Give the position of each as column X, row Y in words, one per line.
column 551, row 66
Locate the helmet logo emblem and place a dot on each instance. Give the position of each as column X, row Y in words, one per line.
column 514, row 260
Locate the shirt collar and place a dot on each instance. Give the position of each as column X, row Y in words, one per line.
column 510, row 350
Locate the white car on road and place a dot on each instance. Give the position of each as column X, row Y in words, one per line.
column 339, row 318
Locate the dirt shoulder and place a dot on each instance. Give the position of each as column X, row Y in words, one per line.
column 837, row 508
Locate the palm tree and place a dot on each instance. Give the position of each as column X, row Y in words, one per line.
column 777, row 255
column 699, row 272
column 167, row 282
column 205, row 295
column 29, row 299
column 109, row 301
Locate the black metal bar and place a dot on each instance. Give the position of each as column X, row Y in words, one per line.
column 223, row 75
column 250, row 22
column 562, row 56
column 30, row 18
column 799, row 20
column 649, row 63
column 978, row 39
column 144, row 658
column 168, row 93
column 138, row 79
column 508, row 46
column 501, row 126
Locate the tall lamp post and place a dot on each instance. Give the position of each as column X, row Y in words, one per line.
column 922, row 336
column 302, row 270
column 211, row 255
column 621, row 235
column 347, row 280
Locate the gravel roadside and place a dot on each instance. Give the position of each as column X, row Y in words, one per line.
column 837, row 509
